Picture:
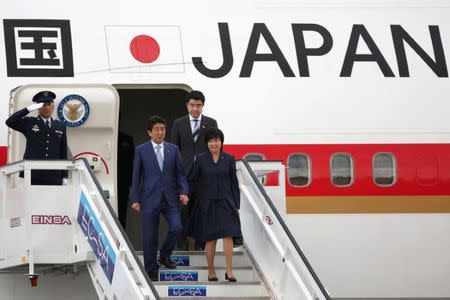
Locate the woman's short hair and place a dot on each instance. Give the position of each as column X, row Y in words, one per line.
column 213, row 133
column 154, row 120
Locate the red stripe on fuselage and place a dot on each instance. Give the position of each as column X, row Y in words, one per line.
column 3, row 155
column 422, row 169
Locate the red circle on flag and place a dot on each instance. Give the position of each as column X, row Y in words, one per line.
column 144, row 48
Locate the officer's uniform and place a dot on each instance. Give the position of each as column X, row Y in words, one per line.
column 43, row 142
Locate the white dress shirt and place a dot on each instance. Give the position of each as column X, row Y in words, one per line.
column 45, row 120
column 191, row 120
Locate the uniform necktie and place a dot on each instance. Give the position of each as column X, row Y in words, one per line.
column 195, row 130
column 47, row 123
column 159, row 157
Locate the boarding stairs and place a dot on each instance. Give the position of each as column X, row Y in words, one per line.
column 190, row 279
column 74, row 225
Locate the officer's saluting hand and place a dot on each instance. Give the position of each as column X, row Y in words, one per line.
column 46, row 137
column 35, row 106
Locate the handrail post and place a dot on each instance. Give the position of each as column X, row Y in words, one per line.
column 31, row 274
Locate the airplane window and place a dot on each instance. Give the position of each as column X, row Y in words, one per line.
column 299, row 170
column 341, row 169
column 384, row 169
column 254, row 156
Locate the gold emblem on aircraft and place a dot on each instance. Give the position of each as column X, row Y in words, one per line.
column 73, row 112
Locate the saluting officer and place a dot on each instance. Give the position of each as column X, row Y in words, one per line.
column 46, row 137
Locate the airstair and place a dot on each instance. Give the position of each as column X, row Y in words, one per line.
column 191, row 278
column 73, row 227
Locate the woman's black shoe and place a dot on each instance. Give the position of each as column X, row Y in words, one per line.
column 212, row 278
column 230, row 279
column 238, row 241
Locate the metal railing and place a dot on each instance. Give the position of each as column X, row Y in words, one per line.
column 91, row 210
column 286, row 268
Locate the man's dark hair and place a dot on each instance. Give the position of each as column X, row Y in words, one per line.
column 154, row 120
column 213, row 133
column 196, row 95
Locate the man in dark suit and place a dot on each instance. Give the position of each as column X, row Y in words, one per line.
column 46, row 137
column 158, row 186
column 188, row 131
column 187, row 134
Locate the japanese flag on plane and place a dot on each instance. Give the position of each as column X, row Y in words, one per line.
column 144, row 49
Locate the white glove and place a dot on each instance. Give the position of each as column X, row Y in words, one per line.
column 35, row 106
column 65, row 181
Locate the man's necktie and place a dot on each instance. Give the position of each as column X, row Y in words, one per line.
column 196, row 130
column 47, row 123
column 159, row 157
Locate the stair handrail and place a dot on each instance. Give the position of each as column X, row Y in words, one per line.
column 120, row 228
column 37, row 164
column 277, row 215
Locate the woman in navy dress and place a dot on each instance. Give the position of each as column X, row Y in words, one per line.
column 213, row 182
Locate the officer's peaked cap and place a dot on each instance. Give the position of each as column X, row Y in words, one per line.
column 44, row 96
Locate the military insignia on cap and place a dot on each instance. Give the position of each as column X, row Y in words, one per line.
column 44, row 96
column 73, row 110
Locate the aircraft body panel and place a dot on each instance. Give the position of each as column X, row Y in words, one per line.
column 283, row 78
column 367, row 106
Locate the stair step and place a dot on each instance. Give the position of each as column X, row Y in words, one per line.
column 220, row 298
column 196, row 274
column 211, row 289
column 201, row 274
column 198, row 259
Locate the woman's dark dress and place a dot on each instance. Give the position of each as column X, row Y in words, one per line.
column 216, row 189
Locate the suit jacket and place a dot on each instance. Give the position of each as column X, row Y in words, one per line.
column 149, row 182
column 182, row 137
column 210, row 180
column 42, row 142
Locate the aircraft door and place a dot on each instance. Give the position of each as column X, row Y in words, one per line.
column 90, row 113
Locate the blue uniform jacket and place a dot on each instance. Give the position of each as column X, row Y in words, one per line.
column 149, row 183
column 42, row 142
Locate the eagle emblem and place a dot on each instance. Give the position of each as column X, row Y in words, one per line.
column 73, row 110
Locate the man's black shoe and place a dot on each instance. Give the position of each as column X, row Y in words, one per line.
column 153, row 275
column 165, row 261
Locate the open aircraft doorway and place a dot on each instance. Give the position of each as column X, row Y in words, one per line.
column 137, row 104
